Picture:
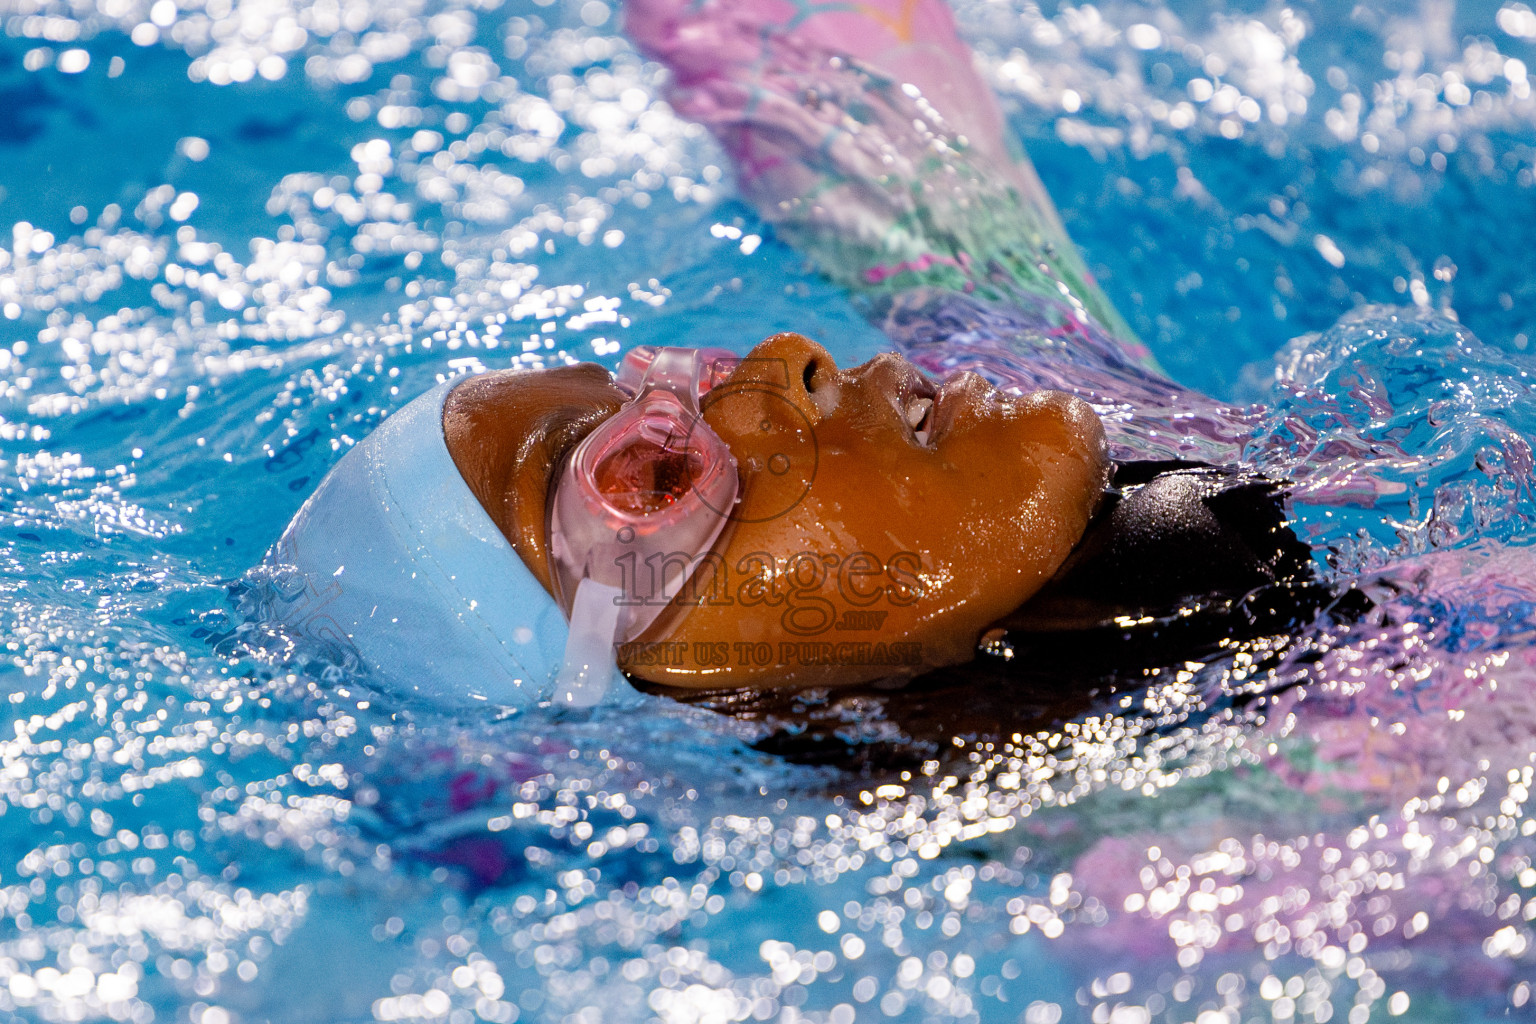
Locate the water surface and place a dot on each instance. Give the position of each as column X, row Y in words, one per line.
column 242, row 233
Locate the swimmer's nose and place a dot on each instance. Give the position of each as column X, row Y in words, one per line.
column 794, row 363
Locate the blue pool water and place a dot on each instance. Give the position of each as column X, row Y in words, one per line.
column 242, row 232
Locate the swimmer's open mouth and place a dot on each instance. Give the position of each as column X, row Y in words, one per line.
column 918, row 407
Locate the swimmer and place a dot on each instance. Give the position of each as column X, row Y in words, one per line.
column 875, row 533
column 720, row 523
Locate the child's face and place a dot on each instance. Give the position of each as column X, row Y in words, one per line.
column 884, row 522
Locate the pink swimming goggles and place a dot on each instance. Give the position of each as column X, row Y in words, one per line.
column 640, row 500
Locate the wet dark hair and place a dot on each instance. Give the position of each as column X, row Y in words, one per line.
column 1184, row 562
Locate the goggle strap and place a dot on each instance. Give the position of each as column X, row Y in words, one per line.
column 589, row 670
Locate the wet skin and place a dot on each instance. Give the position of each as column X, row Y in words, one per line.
column 885, row 521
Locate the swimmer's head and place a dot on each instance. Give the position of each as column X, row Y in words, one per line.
column 883, row 521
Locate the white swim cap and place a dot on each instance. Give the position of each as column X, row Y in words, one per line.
column 402, row 564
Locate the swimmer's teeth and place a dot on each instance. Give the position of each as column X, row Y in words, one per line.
column 917, row 410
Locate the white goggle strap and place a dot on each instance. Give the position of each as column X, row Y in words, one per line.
column 589, row 670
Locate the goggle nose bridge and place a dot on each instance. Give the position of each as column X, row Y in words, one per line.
column 682, row 371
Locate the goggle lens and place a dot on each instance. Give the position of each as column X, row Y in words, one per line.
column 647, row 476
